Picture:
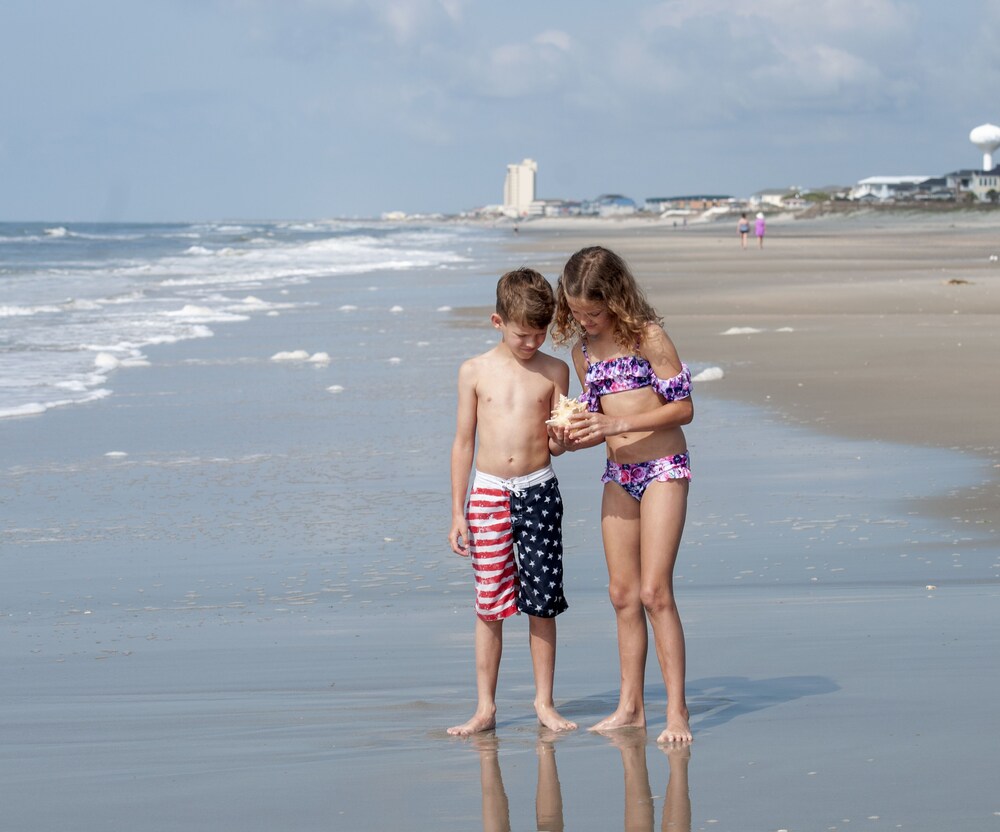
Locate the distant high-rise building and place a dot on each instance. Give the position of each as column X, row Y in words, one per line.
column 519, row 187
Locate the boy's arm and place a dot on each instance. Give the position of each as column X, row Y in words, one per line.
column 560, row 387
column 560, row 435
column 462, row 453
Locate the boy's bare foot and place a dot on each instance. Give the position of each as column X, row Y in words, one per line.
column 551, row 719
column 479, row 722
column 677, row 730
column 622, row 718
column 485, row 742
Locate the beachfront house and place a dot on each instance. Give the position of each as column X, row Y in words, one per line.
column 554, row 208
column 687, row 203
column 985, row 184
column 884, row 188
column 610, row 205
column 773, row 197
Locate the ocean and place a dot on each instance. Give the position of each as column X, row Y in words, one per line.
column 80, row 303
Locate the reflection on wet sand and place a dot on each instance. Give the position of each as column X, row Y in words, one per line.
column 548, row 794
column 676, row 817
column 639, row 802
column 496, row 810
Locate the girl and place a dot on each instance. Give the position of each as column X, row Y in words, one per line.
column 638, row 395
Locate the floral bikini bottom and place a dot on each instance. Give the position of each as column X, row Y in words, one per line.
column 635, row 477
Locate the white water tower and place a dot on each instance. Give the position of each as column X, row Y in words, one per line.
column 987, row 138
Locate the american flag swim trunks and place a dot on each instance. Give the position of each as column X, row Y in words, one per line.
column 515, row 530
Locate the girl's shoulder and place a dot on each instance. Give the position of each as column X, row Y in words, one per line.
column 653, row 333
column 656, row 346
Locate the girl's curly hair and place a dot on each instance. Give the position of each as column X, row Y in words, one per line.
column 598, row 275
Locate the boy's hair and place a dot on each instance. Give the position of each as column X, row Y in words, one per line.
column 598, row 275
column 525, row 297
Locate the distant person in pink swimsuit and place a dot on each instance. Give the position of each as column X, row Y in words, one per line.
column 759, row 227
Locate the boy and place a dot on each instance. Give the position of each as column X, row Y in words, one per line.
column 504, row 397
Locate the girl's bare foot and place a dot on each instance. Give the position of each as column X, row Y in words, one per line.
column 625, row 738
column 485, row 721
column 551, row 719
column 622, row 718
column 677, row 752
column 677, row 730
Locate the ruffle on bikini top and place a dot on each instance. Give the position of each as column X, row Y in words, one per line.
column 631, row 372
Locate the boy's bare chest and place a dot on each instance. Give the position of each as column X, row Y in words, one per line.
column 518, row 393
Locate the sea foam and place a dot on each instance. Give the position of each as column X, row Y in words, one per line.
column 74, row 312
column 709, row 374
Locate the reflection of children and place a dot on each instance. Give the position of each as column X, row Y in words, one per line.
column 548, row 793
column 759, row 227
column 676, row 815
column 638, row 396
column 504, row 397
column 743, row 229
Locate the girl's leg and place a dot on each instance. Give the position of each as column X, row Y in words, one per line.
column 663, row 510
column 542, row 640
column 620, row 529
column 489, row 648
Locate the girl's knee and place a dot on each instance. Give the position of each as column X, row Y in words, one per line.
column 657, row 599
column 624, row 597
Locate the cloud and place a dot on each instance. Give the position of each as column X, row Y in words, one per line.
column 543, row 64
column 817, row 16
column 410, row 19
column 714, row 61
column 335, row 23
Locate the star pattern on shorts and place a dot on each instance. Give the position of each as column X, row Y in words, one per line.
column 539, row 552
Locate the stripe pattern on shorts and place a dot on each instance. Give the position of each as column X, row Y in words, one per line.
column 492, row 550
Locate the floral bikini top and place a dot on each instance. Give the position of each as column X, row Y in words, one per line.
column 629, row 372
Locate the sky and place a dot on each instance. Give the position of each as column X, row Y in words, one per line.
column 158, row 110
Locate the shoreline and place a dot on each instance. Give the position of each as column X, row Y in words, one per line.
column 884, row 331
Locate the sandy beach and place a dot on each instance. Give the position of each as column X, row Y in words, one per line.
column 876, row 325
column 247, row 617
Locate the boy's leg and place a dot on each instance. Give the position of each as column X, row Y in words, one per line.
column 496, row 808
column 548, row 794
column 489, row 648
column 542, row 639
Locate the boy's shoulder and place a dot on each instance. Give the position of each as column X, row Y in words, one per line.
column 476, row 365
column 487, row 357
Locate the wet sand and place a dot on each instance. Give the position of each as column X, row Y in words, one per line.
column 252, row 621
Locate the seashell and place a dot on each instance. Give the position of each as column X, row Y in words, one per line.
column 565, row 408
